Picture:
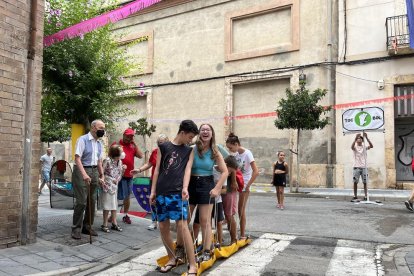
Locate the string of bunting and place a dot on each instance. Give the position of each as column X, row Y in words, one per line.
column 273, row 114
column 92, row 24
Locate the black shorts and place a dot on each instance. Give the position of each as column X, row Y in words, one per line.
column 199, row 189
column 220, row 213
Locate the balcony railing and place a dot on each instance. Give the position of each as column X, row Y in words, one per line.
column 398, row 35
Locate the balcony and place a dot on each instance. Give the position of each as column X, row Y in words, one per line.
column 398, row 35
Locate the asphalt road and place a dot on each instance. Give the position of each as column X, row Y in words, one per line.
column 312, row 236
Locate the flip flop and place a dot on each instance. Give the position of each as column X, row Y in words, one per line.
column 167, row 268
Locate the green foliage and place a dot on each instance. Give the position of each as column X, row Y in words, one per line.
column 82, row 76
column 142, row 127
column 301, row 111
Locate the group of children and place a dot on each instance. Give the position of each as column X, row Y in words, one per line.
column 206, row 178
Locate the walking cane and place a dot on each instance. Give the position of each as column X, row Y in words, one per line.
column 89, row 210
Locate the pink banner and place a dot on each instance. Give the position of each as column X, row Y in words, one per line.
column 97, row 22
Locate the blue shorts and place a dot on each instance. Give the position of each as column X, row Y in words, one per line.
column 124, row 188
column 45, row 176
column 171, row 207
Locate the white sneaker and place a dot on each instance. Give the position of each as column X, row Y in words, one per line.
column 152, row 226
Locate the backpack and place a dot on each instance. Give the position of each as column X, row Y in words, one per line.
column 239, row 180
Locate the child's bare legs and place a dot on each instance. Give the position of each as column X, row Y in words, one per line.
column 231, row 222
column 105, row 217
column 113, row 217
column 205, row 223
column 281, row 195
column 188, row 243
column 278, row 195
column 196, row 230
column 243, row 196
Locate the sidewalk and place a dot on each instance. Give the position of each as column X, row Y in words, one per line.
column 56, row 253
column 334, row 193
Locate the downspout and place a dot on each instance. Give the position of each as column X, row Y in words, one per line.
column 28, row 125
column 330, row 77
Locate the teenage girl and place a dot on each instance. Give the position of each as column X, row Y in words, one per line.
column 250, row 171
column 280, row 170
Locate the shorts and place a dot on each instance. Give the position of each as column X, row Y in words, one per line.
column 279, row 180
column 360, row 172
column 230, row 201
column 45, row 176
column 124, row 188
column 220, row 214
column 199, row 189
column 171, row 207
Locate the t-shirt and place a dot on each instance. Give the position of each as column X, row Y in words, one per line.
column 130, row 151
column 217, row 175
column 174, row 159
column 244, row 159
column 47, row 161
column 153, row 161
column 360, row 156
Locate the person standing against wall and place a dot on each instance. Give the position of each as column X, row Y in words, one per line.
column 87, row 174
column 125, row 185
column 360, row 163
column 46, row 162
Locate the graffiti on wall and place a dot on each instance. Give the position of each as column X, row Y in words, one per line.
column 405, row 152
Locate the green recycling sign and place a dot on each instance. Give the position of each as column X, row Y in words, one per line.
column 359, row 119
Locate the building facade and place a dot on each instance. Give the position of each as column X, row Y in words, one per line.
column 20, row 90
column 228, row 63
column 375, row 65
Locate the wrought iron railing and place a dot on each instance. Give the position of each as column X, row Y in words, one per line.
column 398, row 35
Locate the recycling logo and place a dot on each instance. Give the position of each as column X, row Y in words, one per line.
column 363, row 119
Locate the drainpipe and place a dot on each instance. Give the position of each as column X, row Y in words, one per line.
column 330, row 77
column 28, row 125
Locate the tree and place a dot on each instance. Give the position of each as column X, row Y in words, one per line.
column 301, row 111
column 144, row 129
column 83, row 76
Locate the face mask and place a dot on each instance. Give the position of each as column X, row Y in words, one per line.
column 122, row 155
column 100, row 133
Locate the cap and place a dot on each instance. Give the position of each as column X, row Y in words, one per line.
column 129, row 131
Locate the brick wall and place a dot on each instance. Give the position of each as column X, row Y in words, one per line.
column 14, row 36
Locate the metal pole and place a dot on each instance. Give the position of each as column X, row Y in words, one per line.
column 28, row 126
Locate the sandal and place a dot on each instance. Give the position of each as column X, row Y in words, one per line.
column 105, row 229
column 116, row 227
column 166, row 268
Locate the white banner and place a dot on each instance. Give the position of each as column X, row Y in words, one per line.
column 363, row 119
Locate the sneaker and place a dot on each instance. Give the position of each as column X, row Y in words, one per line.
column 282, row 207
column 278, row 206
column 409, row 205
column 76, row 234
column 126, row 219
column 204, row 257
column 365, row 199
column 152, row 226
column 354, row 199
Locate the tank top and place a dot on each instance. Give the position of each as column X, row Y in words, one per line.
column 281, row 177
column 202, row 166
column 174, row 159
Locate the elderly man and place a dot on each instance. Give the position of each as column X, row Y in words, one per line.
column 125, row 185
column 87, row 174
column 46, row 161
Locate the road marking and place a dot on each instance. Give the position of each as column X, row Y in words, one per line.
column 353, row 258
column 142, row 264
column 253, row 257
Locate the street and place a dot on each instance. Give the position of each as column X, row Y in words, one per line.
column 310, row 237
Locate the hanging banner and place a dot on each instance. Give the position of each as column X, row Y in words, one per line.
column 363, row 119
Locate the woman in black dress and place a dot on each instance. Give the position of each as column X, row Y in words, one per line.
column 280, row 170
